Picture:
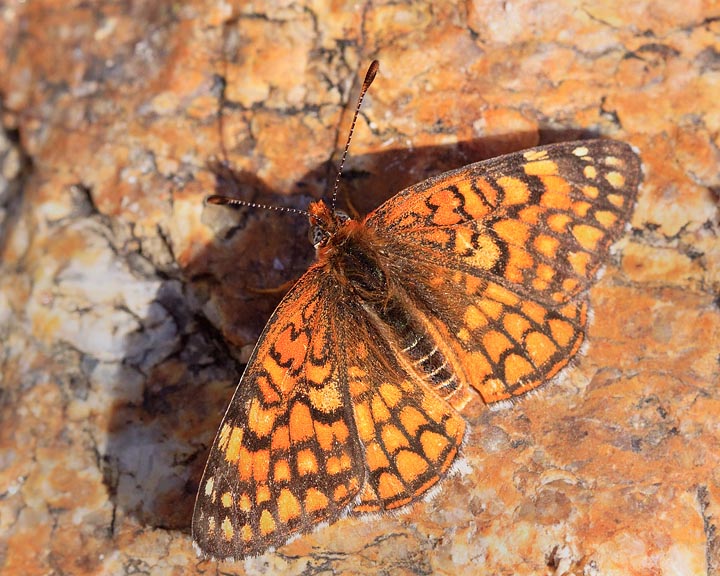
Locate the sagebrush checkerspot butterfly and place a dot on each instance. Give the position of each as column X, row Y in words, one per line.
column 471, row 282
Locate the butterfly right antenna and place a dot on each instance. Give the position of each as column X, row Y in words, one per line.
column 369, row 77
column 222, row 200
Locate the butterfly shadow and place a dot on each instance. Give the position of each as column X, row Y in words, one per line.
column 215, row 307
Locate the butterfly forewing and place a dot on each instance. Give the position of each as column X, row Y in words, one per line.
column 287, row 455
column 539, row 221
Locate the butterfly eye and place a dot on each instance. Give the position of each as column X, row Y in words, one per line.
column 317, row 236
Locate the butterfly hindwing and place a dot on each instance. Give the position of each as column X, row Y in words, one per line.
column 491, row 338
column 410, row 436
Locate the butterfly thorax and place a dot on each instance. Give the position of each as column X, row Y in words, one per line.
column 349, row 252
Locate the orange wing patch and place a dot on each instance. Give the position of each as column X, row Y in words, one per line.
column 549, row 245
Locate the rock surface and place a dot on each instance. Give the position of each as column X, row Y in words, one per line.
column 127, row 307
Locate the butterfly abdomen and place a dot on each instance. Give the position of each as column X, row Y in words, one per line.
column 424, row 356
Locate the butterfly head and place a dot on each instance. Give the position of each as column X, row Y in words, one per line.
column 324, row 223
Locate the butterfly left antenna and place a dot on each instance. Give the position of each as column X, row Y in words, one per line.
column 369, row 77
column 228, row 201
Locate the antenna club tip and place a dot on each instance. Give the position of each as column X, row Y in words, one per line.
column 372, row 72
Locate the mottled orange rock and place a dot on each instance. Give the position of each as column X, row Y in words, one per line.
column 127, row 306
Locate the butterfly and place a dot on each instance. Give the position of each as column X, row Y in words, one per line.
column 473, row 282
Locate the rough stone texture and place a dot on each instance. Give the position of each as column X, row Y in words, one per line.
column 127, row 306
